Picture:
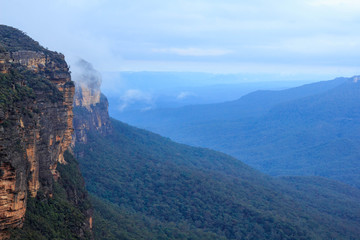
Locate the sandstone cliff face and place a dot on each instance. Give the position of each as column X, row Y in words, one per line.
column 88, row 82
column 36, row 124
column 90, row 106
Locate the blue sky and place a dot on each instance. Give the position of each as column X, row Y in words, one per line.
column 297, row 37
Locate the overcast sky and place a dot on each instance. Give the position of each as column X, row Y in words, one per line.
column 319, row 37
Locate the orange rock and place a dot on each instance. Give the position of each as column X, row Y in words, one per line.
column 34, row 137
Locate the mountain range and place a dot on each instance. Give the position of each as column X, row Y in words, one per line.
column 308, row 130
column 57, row 138
column 132, row 91
column 210, row 193
column 169, row 190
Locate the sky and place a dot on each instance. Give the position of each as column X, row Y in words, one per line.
column 297, row 37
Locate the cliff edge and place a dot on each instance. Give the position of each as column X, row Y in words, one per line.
column 36, row 123
column 90, row 105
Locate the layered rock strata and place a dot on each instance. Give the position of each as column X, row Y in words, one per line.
column 36, row 122
column 90, row 105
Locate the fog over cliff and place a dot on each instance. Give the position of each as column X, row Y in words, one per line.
column 87, row 84
column 83, row 73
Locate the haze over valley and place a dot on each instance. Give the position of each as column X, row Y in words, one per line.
column 186, row 120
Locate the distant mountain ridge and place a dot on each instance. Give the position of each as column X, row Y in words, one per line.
column 308, row 130
column 253, row 104
column 133, row 91
column 173, row 191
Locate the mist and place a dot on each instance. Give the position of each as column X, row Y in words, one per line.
column 84, row 74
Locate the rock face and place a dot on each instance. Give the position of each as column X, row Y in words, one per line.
column 88, row 82
column 90, row 106
column 36, row 122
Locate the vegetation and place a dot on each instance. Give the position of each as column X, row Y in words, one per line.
column 61, row 212
column 59, row 217
column 167, row 184
column 113, row 223
column 12, row 40
column 308, row 130
column 11, row 89
column 20, row 84
column 148, row 187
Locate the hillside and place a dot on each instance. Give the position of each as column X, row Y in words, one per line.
column 209, row 192
column 308, row 130
column 145, row 186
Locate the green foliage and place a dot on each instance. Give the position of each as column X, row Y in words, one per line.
column 12, row 40
column 20, row 84
column 112, row 223
column 58, row 217
column 11, row 90
column 2, row 49
column 72, row 181
column 153, row 177
column 308, row 130
column 46, row 218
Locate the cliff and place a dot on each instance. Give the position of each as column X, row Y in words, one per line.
column 36, row 118
column 90, row 105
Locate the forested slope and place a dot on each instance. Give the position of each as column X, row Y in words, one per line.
column 175, row 187
column 308, row 130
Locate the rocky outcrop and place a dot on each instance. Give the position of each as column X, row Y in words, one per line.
column 90, row 106
column 36, row 122
column 88, row 82
column 12, row 201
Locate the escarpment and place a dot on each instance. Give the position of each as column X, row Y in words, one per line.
column 90, row 105
column 36, row 122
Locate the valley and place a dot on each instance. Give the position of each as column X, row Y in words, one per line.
column 309, row 130
column 273, row 164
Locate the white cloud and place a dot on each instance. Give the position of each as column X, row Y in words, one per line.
column 335, row 3
column 195, row 52
column 183, row 35
column 245, row 67
column 184, row 95
column 316, row 45
column 132, row 96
